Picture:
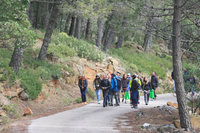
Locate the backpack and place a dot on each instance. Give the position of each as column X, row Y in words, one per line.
column 119, row 83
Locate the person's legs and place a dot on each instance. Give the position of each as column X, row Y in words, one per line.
column 154, row 89
column 84, row 94
column 174, row 86
column 131, row 97
column 81, row 90
column 105, row 96
column 148, row 94
column 108, row 97
column 99, row 95
column 145, row 97
column 138, row 96
column 192, row 89
column 111, row 97
column 116, row 98
column 135, row 98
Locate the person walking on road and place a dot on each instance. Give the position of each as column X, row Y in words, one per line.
column 119, row 84
column 146, row 86
column 134, row 92
column 125, row 82
column 97, row 88
column 154, row 83
column 105, row 86
column 173, row 81
column 83, row 83
column 114, row 90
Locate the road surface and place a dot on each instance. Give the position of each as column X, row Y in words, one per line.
column 92, row 118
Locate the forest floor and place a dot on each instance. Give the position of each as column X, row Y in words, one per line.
column 132, row 122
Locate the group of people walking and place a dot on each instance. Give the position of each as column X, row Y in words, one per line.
column 113, row 85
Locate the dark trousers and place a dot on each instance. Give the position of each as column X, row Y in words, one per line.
column 154, row 90
column 146, row 97
column 105, row 96
column 108, row 97
column 134, row 96
column 83, row 94
column 118, row 95
column 114, row 93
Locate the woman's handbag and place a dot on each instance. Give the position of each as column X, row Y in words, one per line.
column 151, row 94
column 127, row 95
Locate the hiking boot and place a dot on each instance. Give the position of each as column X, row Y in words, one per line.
column 111, row 105
column 104, row 106
column 133, row 106
column 125, row 101
column 122, row 100
column 136, row 107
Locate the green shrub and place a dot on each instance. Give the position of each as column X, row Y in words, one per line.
column 163, row 55
column 155, row 48
column 30, row 82
column 91, row 93
column 82, row 48
column 61, row 50
column 134, row 68
column 11, row 110
column 169, row 58
column 127, row 44
column 78, row 100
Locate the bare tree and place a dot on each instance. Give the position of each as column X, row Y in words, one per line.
column 100, row 32
column 177, row 65
column 49, row 31
column 121, row 37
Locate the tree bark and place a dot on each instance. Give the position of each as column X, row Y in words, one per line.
column 88, row 29
column 46, row 16
column 68, row 18
column 121, row 37
column 16, row 59
column 49, row 31
column 177, row 65
column 78, row 28
column 71, row 30
column 38, row 15
column 100, row 32
column 30, row 15
column 109, row 40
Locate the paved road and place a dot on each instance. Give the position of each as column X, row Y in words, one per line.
column 92, row 118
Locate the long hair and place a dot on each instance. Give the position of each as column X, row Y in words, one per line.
column 144, row 83
column 124, row 76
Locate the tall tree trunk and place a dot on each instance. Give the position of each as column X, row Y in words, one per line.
column 49, row 31
column 71, row 30
column 100, row 32
column 78, row 28
column 148, row 42
column 68, row 18
column 177, row 65
column 88, row 29
column 38, row 15
column 31, row 8
column 46, row 16
column 121, row 37
column 16, row 59
column 109, row 40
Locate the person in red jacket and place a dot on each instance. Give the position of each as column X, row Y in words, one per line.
column 83, row 83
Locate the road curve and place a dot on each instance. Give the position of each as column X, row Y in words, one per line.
column 92, row 118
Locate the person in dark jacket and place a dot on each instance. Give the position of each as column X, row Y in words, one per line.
column 146, row 86
column 97, row 88
column 83, row 83
column 114, row 90
column 186, row 75
column 173, row 81
column 154, row 83
column 134, row 92
column 105, row 86
column 125, row 82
